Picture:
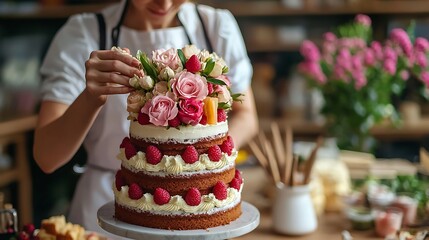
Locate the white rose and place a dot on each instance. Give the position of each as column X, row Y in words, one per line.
column 120, row 50
column 204, row 55
column 134, row 81
column 146, row 82
column 166, row 73
column 190, row 50
column 217, row 70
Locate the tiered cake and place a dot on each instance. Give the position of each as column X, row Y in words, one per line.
column 178, row 163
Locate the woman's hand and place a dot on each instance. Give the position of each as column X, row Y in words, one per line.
column 108, row 72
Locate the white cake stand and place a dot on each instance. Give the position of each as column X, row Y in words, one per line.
column 247, row 222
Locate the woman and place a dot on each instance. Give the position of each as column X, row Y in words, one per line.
column 84, row 90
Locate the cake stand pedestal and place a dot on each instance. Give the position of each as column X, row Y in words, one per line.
column 247, row 222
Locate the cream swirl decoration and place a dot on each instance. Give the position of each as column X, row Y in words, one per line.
column 177, row 205
column 175, row 164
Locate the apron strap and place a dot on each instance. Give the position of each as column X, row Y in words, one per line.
column 206, row 36
column 101, row 30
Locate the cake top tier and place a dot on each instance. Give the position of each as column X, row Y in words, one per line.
column 180, row 87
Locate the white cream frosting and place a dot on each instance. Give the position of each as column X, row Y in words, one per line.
column 177, row 205
column 175, row 165
column 183, row 134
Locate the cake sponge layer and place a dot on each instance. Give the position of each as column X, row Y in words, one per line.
column 177, row 222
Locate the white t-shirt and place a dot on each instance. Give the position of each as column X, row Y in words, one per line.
column 63, row 73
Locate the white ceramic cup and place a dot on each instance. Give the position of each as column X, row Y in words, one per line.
column 293, row 210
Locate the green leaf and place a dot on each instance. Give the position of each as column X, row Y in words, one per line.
column 216, row 81
column 209, row 66
column 148, row 66
column 236, row 97
column 181, row 56
column 224, row 105
column 225, row 69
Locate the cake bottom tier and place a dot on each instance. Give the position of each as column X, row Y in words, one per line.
column 177, row 222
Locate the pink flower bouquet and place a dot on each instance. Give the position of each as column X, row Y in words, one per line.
column 174, row 84
column 358, row 77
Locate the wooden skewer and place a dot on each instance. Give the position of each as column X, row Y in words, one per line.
column 278, row 147
column 288, row 154
column 310, row 161
column 259, row 155
column 262, row 160
column 272, row 162
column 294, row 171
column 262, row 140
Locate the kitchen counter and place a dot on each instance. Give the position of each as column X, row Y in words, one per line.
column 330, row 225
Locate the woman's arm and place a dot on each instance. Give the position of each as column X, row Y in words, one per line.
column 243, row 124
column 61, row 128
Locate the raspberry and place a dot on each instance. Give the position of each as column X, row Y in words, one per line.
column 219, row 190
column 119, row 180
column 175, row 122
column 23, row 236
column 221, row 115
column 130, row 150
column 235, row 183
column 193, row 65
column 143, row 118
column 193, row 197
column 227, row 146
column 29, row 228
column 203, row 120
column 190, row 155
column 153, row 155
column 215, row 154
column 237, row 174
column 134, row 191
column 161, row 196
column 126, row 141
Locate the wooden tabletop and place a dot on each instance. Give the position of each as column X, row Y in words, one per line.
column 330, row 225
column 17, row 124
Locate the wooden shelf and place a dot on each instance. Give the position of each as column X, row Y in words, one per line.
column 248, row 8
column 313, row 7
column 50, row 12
column 385, row 132
column 13, row 132
column 8, row 176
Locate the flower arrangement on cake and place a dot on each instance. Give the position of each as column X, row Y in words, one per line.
column 358, row 77
column 181, row 87
column 178, row 162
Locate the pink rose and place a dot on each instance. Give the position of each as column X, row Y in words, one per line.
column 369, row 57
column 191, row 111
column 222, row 91
column 421, row 59
column 310, row 51
column 400, row 36
column 135, row 101
column 363, row 19
column 390, row 66
column 329, row 37
column 188, row 85
column 421, row 44
column 425, row 78
column 166, row 58
column 160, row 109
column 378, row 50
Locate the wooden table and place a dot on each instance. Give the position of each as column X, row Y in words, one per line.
column 330, row 225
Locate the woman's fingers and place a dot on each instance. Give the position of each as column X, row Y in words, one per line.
column 103, row 78
column 115, row 55
column 108, row 89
